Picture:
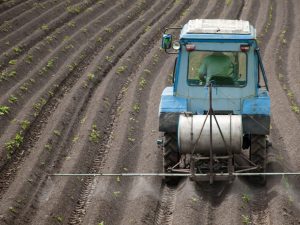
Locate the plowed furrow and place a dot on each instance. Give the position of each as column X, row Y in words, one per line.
column 288, row 57
column 57, row 20
column 68, row 68
column 251, row 7
column 6, row 5
column 21, row 15
column 94, row 168
column 67, row 84
column 53, row 10
column 62, row 47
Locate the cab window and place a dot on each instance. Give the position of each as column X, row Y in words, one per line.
column 220, row 68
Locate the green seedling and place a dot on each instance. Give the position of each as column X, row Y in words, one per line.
column 112, row 48
column 108, row 58
column 76, row 9
column 4, row 110
column 12, row 99
column 13, row 144
column 75, row 139
column 146, row 71
column 246, row 198
column 44, row 27
column 24, row 88
column 17, row 50
column 228, row 2
column 95, row 134
column 148, row 28
column 71, row 24
column 116, row 193
column 84, row 30
column 91, row 76
column 295, row 108
column 25, row 124
column 101, row 223
column 12, row 62
column 131, row 139
column 12, row 209
column 136, row 107
column 121, row 69
column 108, row 30
column 28, row 59
column 142, row 83
column 99, row 40
column 57, row 132
column 246, row 220
column 12, row 74
column 48, row 147
column 59, row 219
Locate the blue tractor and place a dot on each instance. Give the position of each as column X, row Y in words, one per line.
column 216, row 116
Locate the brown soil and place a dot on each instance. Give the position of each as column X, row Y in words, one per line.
column 100, row 68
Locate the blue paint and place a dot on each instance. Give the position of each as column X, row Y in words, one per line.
column 261, row 105
column 171, row 103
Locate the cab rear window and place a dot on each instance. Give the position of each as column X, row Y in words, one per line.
column 220, row 68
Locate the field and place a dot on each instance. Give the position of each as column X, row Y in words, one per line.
column 80, row 85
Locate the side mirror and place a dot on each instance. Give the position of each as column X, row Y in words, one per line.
column 166, row 41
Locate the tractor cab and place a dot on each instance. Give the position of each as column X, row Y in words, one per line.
column 218, row 69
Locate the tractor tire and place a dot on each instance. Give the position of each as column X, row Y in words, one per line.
column 170, row 156
column 258, row 155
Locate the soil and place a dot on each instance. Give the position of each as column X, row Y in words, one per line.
column 87, row 79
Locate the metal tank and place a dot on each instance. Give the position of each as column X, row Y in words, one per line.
column 190, row 141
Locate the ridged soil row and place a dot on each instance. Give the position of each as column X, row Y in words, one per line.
column 251, row 10
column 142, row 42
column 61, row 39
column 285, row 110
column 18, row 16
column 266, row 209
column 67, row 73
column 232, row 9
column 47, row 112
column 135, row 135
column 255, row 199
column 287, row 58
column 292, row 62
column 126, row 142
column 6, row 5
column 54, row 68
column 40, row 28
column 116, row 39
column 52, row 12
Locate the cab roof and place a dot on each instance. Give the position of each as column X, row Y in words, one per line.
column 217, row 29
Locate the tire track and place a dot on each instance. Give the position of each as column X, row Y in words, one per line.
column 166, row 206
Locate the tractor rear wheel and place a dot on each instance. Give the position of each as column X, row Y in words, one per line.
column 170, row 156
column 258, row 155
